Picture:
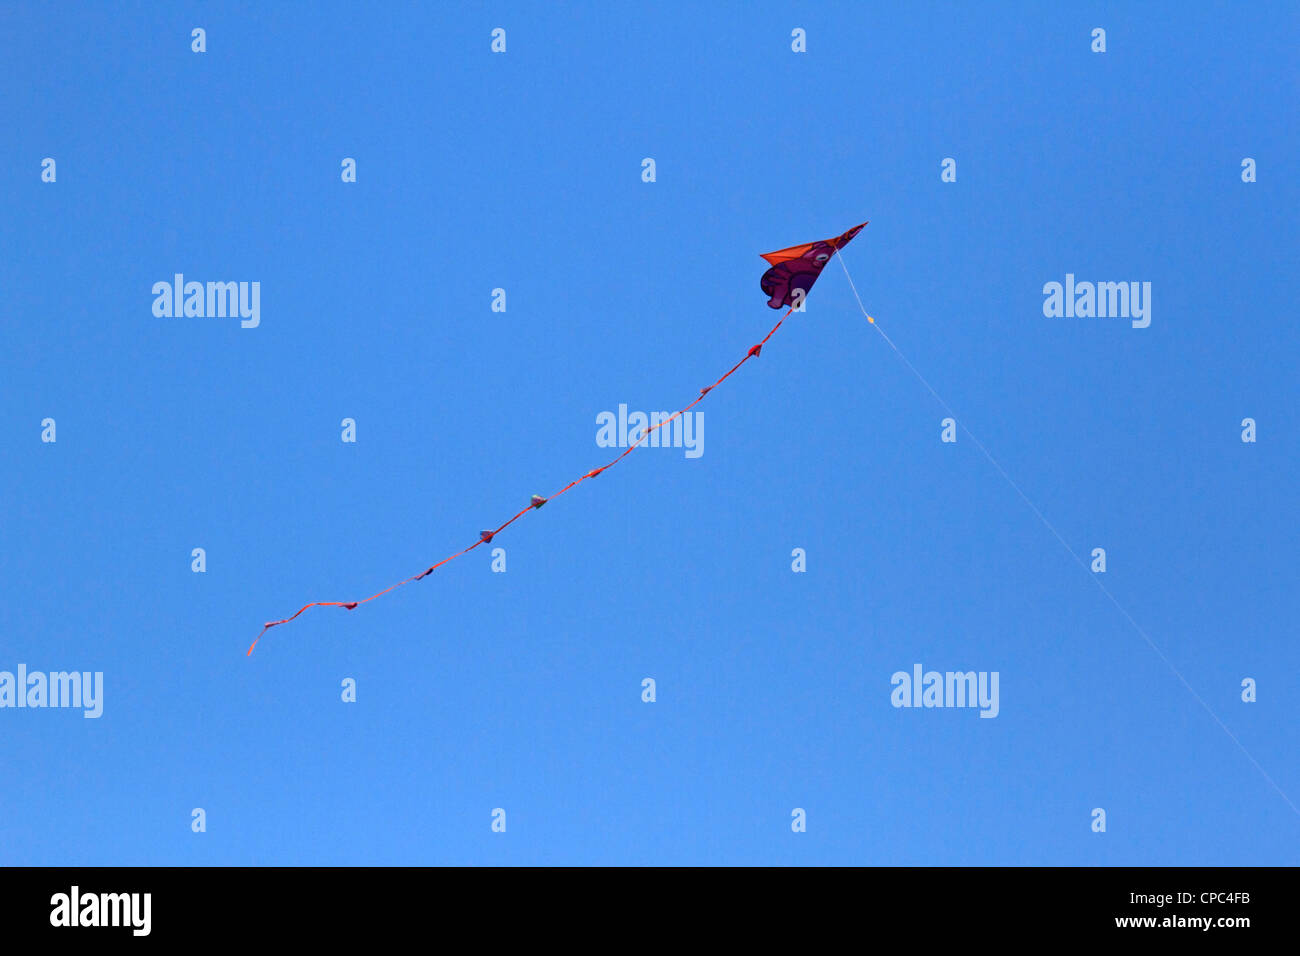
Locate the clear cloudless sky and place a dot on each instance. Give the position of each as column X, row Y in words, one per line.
column 522, row 171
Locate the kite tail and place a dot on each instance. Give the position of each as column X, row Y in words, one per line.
column 537, row 500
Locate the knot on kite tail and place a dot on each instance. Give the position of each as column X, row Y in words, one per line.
column 756, row 350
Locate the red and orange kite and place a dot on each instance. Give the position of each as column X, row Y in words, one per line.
column 793, row 272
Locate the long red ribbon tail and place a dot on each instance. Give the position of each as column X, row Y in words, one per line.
column 487, row 536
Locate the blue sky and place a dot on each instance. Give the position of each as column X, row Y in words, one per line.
column 522, row 690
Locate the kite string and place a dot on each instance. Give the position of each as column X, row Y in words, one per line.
column 1069, row 550
column 487, row 536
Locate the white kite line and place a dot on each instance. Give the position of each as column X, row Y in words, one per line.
column 1056, row 534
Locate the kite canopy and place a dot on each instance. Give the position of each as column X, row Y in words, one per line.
column 794, row 270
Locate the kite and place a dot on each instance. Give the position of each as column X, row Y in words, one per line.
column 793, row 272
